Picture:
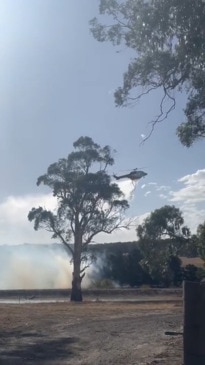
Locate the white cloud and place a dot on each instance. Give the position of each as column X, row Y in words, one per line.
column 163, row 188
column 14, row 225
column 143, row 136
column 193, row 216
column 190, row 198
column 194, row 189
column 152, row 183
column 163, row 196
column 147, row 193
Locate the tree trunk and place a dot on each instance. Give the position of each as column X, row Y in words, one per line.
column 76, row 292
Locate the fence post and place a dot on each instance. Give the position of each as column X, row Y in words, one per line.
column 194, row 323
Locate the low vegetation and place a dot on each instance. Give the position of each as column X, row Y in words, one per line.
column 165, row 254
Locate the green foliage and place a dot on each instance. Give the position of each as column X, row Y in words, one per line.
column 173, row 271
column 87, row 201
column 163, row 267
column 200, row 274
column 201, row 240
column 154, row 259
column 190, row 247
column 132, row 269
column 168, row 40
column 166, row 222
column 191, row 273
column 102, row 284
column 100, row 249
column 122, row 266
column 162, row 236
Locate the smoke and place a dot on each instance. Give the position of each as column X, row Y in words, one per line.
column 31, row 266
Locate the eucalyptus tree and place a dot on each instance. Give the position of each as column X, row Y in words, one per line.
column 88, row 203
column 162, row 236
column 167, row 39
column 201, row 240
column 166, row 222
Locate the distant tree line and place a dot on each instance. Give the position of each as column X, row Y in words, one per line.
column 156, row 258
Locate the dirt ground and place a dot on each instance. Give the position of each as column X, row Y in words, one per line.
column 90, row 333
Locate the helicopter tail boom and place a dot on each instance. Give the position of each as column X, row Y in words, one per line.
column 116, row 177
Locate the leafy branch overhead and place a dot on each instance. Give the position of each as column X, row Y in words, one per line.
column 168, row 40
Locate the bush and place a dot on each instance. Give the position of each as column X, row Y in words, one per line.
column 102, row 284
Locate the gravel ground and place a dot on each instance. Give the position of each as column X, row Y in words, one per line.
column 90, row 333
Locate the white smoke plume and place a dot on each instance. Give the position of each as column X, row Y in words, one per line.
column 35, row 267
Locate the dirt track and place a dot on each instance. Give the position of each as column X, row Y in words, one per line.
column 90, row 334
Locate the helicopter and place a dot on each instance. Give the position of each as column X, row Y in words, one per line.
column 133, row 175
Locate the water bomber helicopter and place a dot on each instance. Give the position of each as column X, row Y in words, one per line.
column 134, row 175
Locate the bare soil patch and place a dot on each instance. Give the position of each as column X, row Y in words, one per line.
column 90, row 333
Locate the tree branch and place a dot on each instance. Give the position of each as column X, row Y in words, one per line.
column 162, row 116
column 58, row 233
column 119, row 225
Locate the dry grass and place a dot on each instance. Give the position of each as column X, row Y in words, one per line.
column 196, row 261
column 88, row 333
column 19, row 316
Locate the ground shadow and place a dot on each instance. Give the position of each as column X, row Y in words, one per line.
column 19, row 334
column 41, row 351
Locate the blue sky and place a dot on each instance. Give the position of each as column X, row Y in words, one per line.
column 56, row 84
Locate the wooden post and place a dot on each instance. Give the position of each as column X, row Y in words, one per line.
column 194, row 323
